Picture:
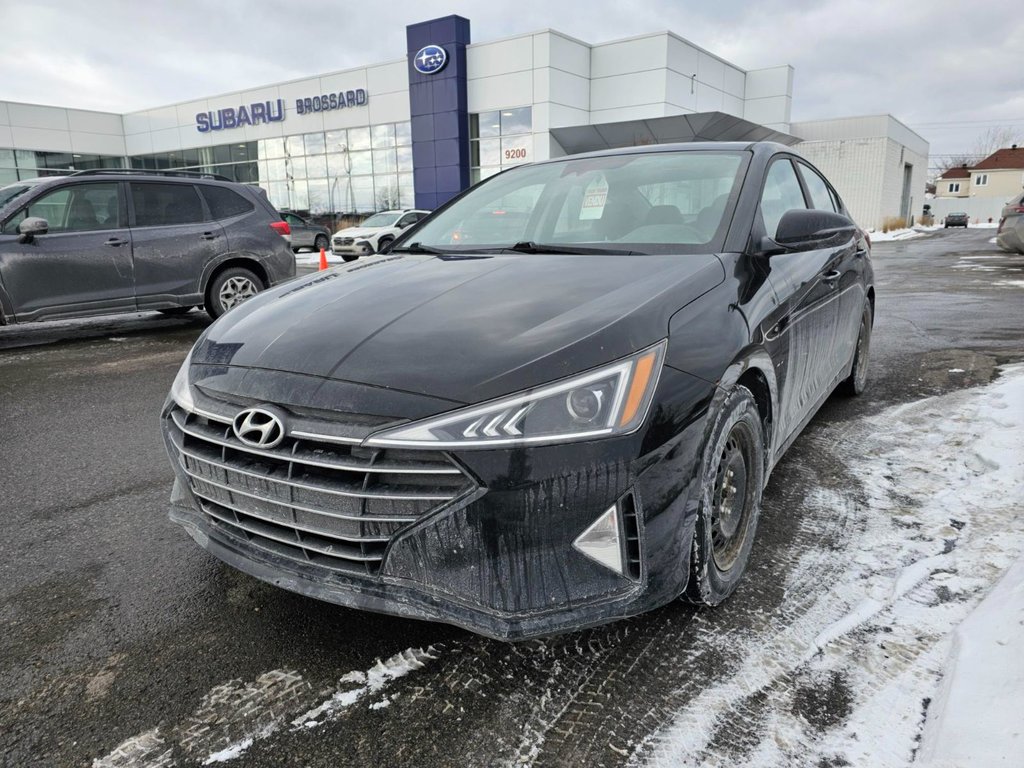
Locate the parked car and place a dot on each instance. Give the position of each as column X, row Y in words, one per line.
column 305, row 234
column 1010, row 235
column 98, row 242
column 374, row 234
column 959, row 219
column 548, row 429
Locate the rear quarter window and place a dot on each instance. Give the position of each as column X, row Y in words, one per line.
column 225, row 203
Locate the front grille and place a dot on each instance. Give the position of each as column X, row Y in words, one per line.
column 316, row 501
column 343, row 241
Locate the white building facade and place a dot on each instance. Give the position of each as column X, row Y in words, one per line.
column 393, row 135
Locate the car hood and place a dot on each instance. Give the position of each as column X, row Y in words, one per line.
column 358, row 231
column 465, row 329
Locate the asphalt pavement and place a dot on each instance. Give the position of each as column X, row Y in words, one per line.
column 122, row 642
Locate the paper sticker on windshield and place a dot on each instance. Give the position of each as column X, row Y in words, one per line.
column 594, row 198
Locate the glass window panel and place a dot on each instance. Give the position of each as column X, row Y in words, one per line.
column 271, row 148
column 516, row 150
column 488, row 124
column 362, row 163
column 384, row 161
column 316, row 166
column 298, row 194
column 263, row 174
column 8, row 176
column 294, row 146
column 406, row 189
column 295, row 167
column 314, row 144
column 404, row 155
column 386, row 191
column 490, row 152
column 820, row 197
column 191, row 156
column 275, row 170
column 358, row 138
column 247, row 173
column 474, row 175
column 336, row 140
column 223, row 202
column 781, row 193
column 318, row 196
column 158, row 205
column 339, row 193
column 25, row 158
column 486, row 173
column 362, row 194
column 27, row 174
column 206, row 156
column 7, row 158
column 277, row 191
column 383, row 136
column 516, row 120
column 337, row 165
column 222, row 154
column 403, row 134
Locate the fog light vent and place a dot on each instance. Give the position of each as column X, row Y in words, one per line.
column 631, row 535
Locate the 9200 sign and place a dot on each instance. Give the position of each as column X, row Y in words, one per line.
column 519, row 153
column 329, row 101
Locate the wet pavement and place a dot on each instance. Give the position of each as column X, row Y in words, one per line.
column 123, row 642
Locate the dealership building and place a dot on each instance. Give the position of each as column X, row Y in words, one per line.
column 416, row 130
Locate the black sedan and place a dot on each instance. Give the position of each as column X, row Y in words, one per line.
column 957, row 219
column 533, row 428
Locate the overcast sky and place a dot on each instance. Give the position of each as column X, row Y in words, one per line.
column 949, row 69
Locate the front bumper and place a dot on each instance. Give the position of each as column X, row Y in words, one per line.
column 359, row 247
column 499, row 559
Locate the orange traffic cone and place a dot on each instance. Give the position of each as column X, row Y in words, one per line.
column 323, row 259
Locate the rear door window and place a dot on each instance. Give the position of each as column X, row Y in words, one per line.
column 160, row 205
column 821, row 199
column 225, row 203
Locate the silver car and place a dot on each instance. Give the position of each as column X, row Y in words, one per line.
column 1010, row 236
column 306, row 234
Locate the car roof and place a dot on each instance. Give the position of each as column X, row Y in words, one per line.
column 757, row 147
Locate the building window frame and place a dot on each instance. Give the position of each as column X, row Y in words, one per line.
column 981, row 180
column 954, row 186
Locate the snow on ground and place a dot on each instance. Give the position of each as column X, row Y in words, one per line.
column 311, row 257
column 938, row 497
column 235, row 715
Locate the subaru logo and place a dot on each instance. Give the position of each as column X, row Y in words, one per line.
column 258, row 427
column 430, row 59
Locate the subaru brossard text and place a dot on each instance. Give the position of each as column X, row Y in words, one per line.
column 554, row 403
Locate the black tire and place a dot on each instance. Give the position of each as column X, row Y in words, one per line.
column 857, row 381
column 175, row 311
column 732, row 480
column 383, row 243
column 229, row 289
column 321, row 242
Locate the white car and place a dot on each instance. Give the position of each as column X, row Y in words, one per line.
column 373, row 234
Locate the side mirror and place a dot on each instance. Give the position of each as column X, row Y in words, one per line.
column 30, row 227
column 805, row 230
column 402, row 225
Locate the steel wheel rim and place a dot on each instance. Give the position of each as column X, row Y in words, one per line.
column 236, row 290
column 863, row 345
column 732, row 498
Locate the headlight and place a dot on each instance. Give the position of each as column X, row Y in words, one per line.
column 180, row 391
column 612, row 400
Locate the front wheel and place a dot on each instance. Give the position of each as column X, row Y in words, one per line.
column 230, row 288
column 732, row 480
column 383, row 243
column 857, row 381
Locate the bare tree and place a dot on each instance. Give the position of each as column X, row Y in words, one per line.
column 995, row 138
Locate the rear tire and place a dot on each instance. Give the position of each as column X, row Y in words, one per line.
column 321, row 243
column 230, row 288
column 732, row 480
column 857, row 381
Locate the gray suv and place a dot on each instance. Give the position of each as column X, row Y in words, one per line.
column 97, row 242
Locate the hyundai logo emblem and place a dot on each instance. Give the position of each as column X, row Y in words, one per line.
column 258, row 427
column 430, row 59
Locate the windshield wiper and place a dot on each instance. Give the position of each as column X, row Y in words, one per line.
column 418, row 248
column 529, row 246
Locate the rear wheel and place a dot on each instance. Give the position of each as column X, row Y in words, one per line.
column 857, row 381
column 730, row 504
column 230, row 288
column 320, row 243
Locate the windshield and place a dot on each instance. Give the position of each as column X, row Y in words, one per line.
column 9, row 193
column 381, row 220
column 660, row 202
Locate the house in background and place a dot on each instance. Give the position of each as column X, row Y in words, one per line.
column 981, row 190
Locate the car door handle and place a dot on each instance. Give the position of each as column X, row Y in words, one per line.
column 115, row 242
column 831, row 277
column 209, row 236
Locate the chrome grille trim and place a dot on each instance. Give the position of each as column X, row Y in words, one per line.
column 238, row 445
column 310, row 501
